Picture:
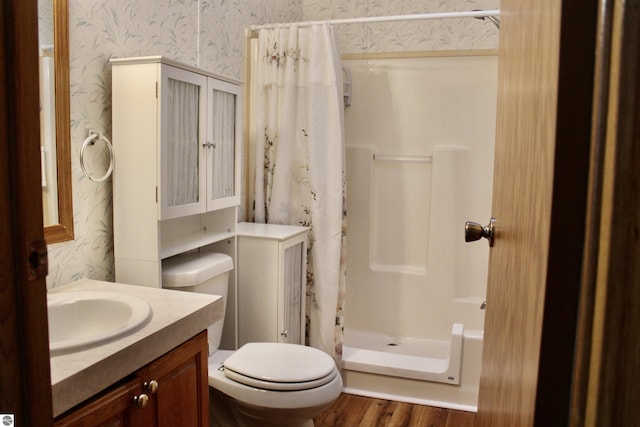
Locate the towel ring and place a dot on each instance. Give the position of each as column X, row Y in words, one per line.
column 91, row 140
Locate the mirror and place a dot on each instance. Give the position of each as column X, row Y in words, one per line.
column 53, row 21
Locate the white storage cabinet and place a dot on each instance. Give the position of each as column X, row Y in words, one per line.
column 176, row 187
column 272, row 266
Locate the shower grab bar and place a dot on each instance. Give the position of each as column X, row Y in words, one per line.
column 414, row 159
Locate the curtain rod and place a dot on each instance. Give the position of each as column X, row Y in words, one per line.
column 372, row 19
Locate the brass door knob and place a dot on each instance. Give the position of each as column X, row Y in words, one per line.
column 474, row 231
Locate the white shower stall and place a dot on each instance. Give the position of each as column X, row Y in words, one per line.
column 419, row 144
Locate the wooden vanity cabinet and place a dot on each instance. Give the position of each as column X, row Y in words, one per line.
column 111, row 408
column 182, row 395
column 171, row 391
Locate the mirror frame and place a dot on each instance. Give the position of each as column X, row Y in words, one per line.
column 63, row 231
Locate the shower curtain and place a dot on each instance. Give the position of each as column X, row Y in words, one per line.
column 300, row 178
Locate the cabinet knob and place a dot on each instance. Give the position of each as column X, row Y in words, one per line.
column 151, row 386
column 141, row 400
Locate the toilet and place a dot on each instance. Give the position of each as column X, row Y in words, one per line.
column 260, row 384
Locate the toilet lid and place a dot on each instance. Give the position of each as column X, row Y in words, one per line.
column 280, row 366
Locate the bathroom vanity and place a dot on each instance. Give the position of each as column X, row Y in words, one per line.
column 155, row 375
column 173, row 387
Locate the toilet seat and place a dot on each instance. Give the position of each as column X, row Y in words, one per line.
column 278, row 386
column 280, row 367
column 248, row 396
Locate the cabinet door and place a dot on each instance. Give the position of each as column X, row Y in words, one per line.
column 271, row 288
column 182, row 171
column 291, row 291
column 172, row 391
column 181, row 398
column 224, row 131
column 115, row 407
column 258, row 264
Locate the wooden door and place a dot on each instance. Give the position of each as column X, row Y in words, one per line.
column 546, row 65
column 182, row 395
column 114, row 407
column 25, row 380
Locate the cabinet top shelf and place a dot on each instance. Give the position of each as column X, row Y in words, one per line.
column 270, row 231
column 159, row 59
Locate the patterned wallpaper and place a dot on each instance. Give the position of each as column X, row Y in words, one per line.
column 208, row 34
column 204, row 33
column 440, row 34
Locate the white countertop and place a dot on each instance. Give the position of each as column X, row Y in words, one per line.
column 269, row 231
column 177, row 316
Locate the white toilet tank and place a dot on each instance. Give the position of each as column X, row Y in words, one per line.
column 201, row 272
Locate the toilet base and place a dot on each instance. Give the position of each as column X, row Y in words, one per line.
column 224, row 411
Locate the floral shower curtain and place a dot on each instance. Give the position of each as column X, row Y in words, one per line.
column 300, row 178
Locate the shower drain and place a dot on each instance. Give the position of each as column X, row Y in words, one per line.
column 392, row 344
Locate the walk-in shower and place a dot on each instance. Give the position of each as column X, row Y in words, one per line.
column 419, row 162
column 419, row 142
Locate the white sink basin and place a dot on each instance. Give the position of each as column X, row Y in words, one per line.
column 84, row 319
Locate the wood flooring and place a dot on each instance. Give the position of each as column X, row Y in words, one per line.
column 356, row 411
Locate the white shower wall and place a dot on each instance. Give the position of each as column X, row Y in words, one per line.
column 419, row 138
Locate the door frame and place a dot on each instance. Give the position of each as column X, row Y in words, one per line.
column 25, row 386
column 607, row 369
column 570, row 212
